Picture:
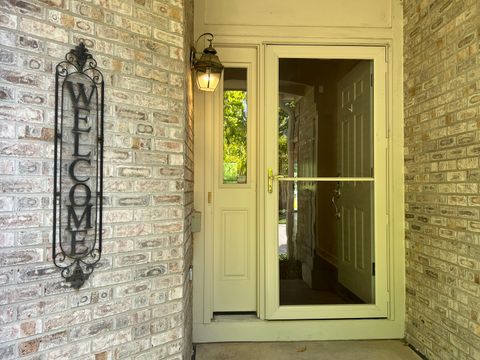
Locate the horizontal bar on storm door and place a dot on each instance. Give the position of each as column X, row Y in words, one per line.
column 285, row 178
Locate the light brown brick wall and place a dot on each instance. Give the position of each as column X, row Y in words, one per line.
column 442, row 148
column 137, row 303
column 188, row 246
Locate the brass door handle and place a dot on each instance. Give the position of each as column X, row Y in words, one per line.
column 272, row 177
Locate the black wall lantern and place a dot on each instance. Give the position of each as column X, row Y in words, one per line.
column 208, row 68
column 78, row 166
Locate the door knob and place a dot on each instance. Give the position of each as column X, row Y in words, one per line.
column 336, row 194
column 338, row 215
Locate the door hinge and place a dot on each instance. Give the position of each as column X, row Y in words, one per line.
column 373, row 269
column 371, row 80
column 190, row 273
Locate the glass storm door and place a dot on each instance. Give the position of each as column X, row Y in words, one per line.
column 326, row 190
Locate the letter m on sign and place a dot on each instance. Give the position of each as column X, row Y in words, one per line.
column 87, row 215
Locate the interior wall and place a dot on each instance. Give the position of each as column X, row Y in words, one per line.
column 136, row 303
column 326, row 229
column 442, row 147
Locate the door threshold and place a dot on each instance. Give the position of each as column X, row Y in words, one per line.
column 235, row 316
column 231, row 329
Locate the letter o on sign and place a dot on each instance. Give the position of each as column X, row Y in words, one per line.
column 73, row 198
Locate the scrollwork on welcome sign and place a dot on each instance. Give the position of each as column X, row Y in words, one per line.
column 78, row 166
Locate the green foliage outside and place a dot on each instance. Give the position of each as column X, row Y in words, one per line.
column 282, row 142
column 283, row 119
column 234, row 136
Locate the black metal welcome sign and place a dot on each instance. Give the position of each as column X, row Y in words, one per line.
column 78, row 166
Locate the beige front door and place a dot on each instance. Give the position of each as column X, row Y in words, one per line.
column 234, row 188
column 354, row 199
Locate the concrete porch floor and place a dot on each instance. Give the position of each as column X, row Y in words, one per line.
column 318, row 350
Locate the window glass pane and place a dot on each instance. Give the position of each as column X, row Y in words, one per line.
column 326, row 229
column 235, row 126
column 325, row 118
column 325, row 244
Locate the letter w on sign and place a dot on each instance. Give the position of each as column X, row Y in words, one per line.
column 80, row 94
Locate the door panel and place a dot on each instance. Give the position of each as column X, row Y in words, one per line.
column 325, row 210
column 234, row 185
column 235, row 245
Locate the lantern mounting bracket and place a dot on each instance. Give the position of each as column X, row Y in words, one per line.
column 193, row 50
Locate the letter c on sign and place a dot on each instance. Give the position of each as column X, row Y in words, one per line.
column 71, row 170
